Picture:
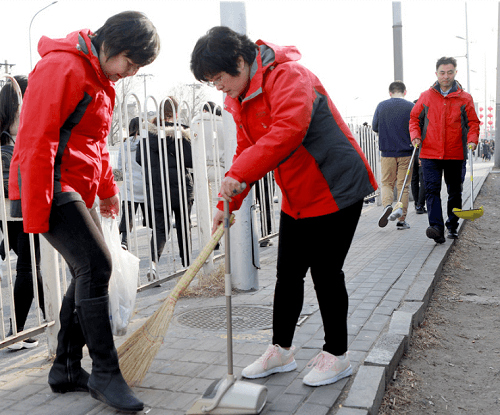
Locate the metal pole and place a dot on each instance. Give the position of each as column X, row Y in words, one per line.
column 29, row 30
column 497, row 110
column 243, row 251
column 467, row 49
column 397, row 33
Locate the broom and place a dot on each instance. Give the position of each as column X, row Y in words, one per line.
column 138, row 352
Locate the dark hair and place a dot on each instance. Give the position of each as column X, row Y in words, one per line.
column 446, row 61
column 218, row 51
column 211, row 107
column 130, row 32
column 134, row 126
column 9, row 105
column 397, row 86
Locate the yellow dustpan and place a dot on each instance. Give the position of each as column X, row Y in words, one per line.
column 471, row 214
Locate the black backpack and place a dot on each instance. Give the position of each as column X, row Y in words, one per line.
column 7, row 152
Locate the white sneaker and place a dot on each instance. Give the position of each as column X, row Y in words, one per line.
column 327, row 368
column 274, row 360
column 24, row 344
column 152, row 272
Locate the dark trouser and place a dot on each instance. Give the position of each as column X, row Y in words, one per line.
column 161, row 232
column 321, row 244
column 417, row 184
column 75, row 232
column 433, row 172
column 122, row 227
column 19, row 242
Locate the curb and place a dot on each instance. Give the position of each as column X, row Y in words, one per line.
column 369, row 383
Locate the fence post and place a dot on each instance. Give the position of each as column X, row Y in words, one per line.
column 51, row 290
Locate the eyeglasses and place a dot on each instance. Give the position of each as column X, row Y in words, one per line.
column 215, row 82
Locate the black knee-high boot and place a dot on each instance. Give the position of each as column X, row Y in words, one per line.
column 66, row 374
column 106, row 382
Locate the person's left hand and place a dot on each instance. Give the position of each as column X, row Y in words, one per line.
column 110, row 207
column 472, row 146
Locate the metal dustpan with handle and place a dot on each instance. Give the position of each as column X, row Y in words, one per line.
column 228, row 395
column 472, row 213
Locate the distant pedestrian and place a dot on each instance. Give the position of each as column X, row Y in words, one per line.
column 391, row 122
column 286, row 122
column 444, row 123
column 136, row 185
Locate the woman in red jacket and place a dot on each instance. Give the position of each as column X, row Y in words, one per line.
column 286, row 122
column 62, row 163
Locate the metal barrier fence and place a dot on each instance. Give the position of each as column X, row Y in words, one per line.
column 163, row 148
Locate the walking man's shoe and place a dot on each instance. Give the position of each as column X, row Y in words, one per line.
column 327, row 368
column 420, row 210
column 382, row 222
column 435, row 233
column 274, row 360
column 452, row 234
column 402, row 224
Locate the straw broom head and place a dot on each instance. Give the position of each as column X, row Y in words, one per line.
column 138, row 352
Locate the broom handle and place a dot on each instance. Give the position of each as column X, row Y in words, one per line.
column 407, row 173
column 471, row 180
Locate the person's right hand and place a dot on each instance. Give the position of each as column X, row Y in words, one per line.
column 218, row 218
column 416, row 142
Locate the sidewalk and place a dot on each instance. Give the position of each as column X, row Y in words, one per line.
column 389, row 276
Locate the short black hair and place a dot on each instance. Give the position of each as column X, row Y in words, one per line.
column 134, row 126
column 131, row 32
column 218, row 51
column 9, row 105
column 446, row 60
column 212, row 107
column 397, row 86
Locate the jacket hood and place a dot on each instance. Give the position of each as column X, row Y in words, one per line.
column 78, row 43
column 271, row 53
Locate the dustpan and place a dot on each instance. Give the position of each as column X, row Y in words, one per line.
column 228, row 395
column 472, row 213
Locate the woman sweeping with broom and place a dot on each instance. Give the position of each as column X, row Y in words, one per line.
column 286, row 122
column 62, row 162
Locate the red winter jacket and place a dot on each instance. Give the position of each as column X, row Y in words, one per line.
column 445, row 124
column 287, row 123
column 65, row 120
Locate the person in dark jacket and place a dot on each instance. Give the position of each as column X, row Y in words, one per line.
column 390, row 121
column 287, row 123
column 175, row 174
column 18, row 239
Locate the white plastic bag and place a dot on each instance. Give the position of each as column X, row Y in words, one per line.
column 123, row 282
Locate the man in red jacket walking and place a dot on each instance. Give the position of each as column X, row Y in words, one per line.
column 444, row 122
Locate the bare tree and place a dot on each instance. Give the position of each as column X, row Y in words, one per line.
column 195, row 95
column 123, row 87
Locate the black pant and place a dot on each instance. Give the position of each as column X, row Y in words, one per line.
column 321, row 244
column 417, row 184
column 75, row 232
column 19, row 242
column 161, row 232
column 433, row 177
column 122, row 227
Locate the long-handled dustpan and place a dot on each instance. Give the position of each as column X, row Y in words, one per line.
column 228, row 395
column 472, row 213
column 398, row 208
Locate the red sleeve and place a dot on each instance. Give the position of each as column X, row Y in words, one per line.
column 107, row 185
column 289, row 93
column 415, row 131
column 473, row 134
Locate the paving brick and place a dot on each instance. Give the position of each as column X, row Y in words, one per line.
column 387, row 352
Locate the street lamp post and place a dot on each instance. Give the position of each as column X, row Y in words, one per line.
column 29, row 31
column 466, row 48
